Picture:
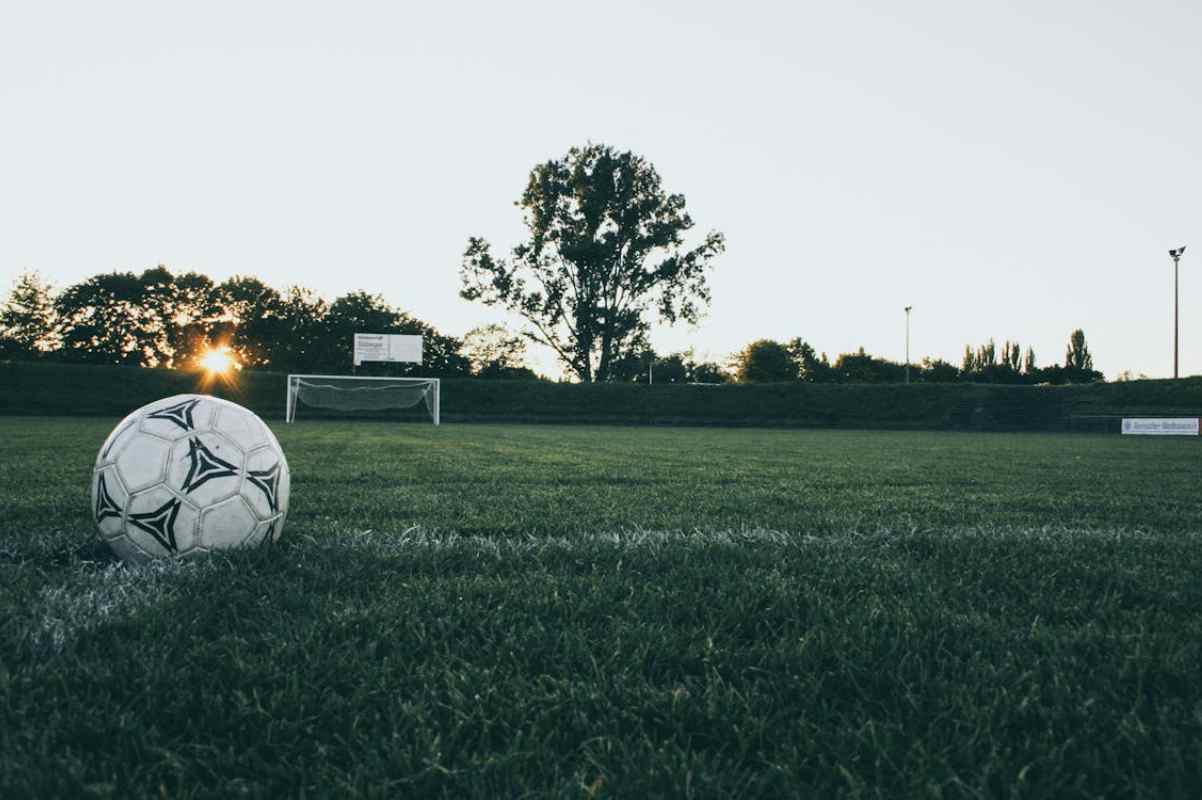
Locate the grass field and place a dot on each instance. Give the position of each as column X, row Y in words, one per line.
column 502, row 611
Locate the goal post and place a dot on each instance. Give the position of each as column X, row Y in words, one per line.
column 355, row 393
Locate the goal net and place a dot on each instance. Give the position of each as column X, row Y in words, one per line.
column 347, row 393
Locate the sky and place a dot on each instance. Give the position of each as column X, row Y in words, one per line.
column 1010, row 170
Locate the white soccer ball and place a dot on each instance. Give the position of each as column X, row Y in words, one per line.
column 187, row 475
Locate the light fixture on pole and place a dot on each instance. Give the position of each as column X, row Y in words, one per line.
column 1176, row 256
column 908, row 343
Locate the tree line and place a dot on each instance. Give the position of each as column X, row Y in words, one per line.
column 766, row 360
column 163, row 319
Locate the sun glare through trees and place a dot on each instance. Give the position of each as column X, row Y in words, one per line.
column 217, row 361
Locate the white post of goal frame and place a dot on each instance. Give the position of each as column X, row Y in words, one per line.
column 360, row 393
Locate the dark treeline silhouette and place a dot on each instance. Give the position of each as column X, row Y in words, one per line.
column 765, row 360
column 164, row 319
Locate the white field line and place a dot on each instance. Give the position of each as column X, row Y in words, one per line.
column 417, row 538
column 95, row 595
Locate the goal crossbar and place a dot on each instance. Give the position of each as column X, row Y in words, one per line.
column 361, row 393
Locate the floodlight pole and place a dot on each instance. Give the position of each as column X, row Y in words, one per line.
column 908, row 343
column 1176, row 256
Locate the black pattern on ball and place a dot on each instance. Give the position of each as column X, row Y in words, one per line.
column 268, row 482
column 160, row 523
column 105, row 505
column 180, row 414
column 204, row 466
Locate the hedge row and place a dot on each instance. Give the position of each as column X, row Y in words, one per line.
column 64, row 389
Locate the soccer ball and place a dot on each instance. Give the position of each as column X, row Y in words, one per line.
column 186, row 475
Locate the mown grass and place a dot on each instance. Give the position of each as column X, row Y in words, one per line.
column 572, row 612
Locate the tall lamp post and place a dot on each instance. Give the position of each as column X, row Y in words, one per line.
column 908, row 343
column 1176, row 256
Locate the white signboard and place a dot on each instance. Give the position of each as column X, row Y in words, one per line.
column 1180, row 426
column 387, row 347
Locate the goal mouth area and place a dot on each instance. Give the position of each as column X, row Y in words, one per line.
column 363, row 397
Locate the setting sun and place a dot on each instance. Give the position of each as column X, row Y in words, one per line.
column 217, row 362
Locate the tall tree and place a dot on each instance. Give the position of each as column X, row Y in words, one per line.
column 28, row 320
column 1011, row 355
column 1029, row 366
column 1078, row 362
column 607, row 250
column 986, row 356
column 1077, row 355
column 968, row 364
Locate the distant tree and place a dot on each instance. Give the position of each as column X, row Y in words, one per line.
column 198, row 317
column 683, row 367
column 968, row 365
column 937, row 371
column 28, row 321
column 631, row 365
column 673, row 368
column 101, row 319
column 986, row 365
column 155, row 319
column 495, row 352
column 179, row 315
column 708, row 372
column 1076, row 355
column 810, row 367
column 1030, row 368
column 765, row 361
column 648, row 365
column 1012, row 356
column 986, row 356
column 153, row 328
column 860, row 367
column 1078, row 362
column 241, row 296
column 606, row 250
column 284, row 331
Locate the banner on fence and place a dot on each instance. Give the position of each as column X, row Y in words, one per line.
column 1176, row 426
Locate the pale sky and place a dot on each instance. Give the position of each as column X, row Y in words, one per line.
column 1012, row 170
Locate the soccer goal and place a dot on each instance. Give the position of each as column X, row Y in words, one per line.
column 349, row 393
